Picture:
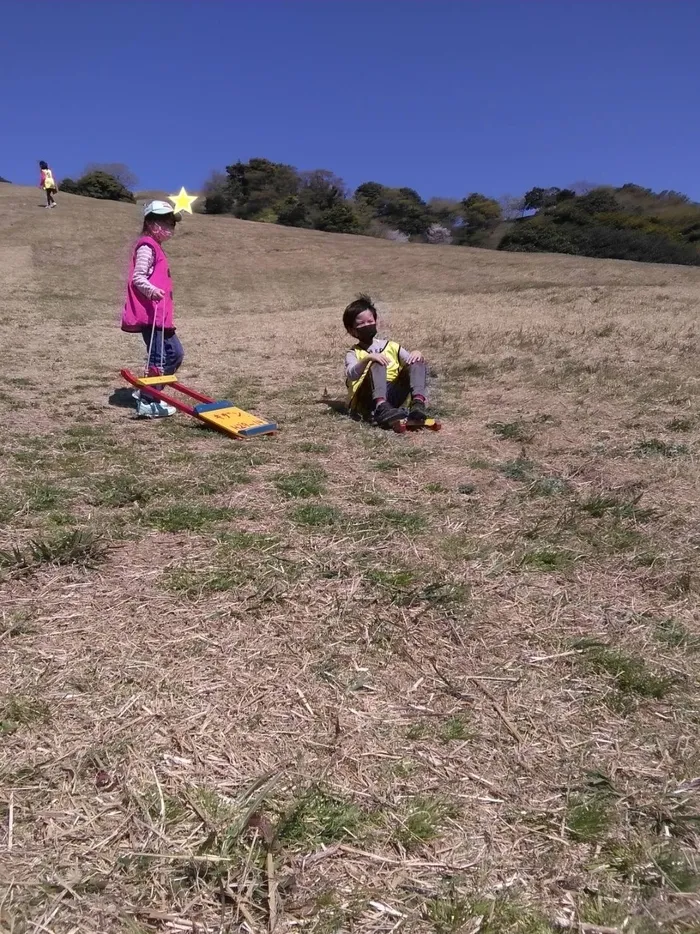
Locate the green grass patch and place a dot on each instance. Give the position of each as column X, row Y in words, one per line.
column 435, row 488
column 547, row 559
column 311, row 447
column 460, row 546
column 320, row 818
column 42, row 497
column 403, row 521
column 681, row 424
column 443, row 593
column 614, row 538
column 630, row 673
column 9, row 506
column 233, row 542
column 455, row 728
column 650, row 868
column 511, row 431
column 302, row 483
column 316, row 515
column 549, row 486
column 655, row 447
column 123, row 490
column 192, row 582
column 507, row 915
column 673, row 633
column 181, row 517
column 17, row 710
column 421, row 820
column 588, row 818
column 448, row 914
column 600, row 505
column 392, row 579
column 401, row 459
column 78, row 547
column 15, row 624
column 87, row 438
column 519, row 469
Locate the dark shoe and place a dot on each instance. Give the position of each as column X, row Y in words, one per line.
column 386, row 415
column 417, row 414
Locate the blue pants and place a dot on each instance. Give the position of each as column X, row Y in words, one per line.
column 166, row 354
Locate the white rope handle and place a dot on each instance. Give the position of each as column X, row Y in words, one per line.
column 162, row 341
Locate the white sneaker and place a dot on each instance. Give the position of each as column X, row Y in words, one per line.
column 136, row 394
column 154, row 409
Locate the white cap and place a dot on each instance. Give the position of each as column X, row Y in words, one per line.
column 158, row 207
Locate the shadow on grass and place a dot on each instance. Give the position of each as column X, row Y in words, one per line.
column 122, row 398
column 339, row 406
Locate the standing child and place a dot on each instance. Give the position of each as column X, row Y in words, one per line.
column 149, row 303
column 380, row 375
column 48, row 184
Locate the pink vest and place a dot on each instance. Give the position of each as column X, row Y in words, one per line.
column 141, row 312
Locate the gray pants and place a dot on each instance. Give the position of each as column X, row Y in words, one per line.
column 411, row 380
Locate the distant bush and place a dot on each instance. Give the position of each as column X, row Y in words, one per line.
column 598, row 241
column 6, row 180
column 536, row 238
column 98, row 185
column 630, row 222
column 615, row 243
column 117, row 170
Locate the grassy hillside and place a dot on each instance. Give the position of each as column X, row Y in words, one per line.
column 341, row 680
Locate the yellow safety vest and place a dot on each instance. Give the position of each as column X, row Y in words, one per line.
column 391, row 350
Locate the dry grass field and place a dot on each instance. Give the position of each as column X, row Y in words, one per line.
column 340, row 680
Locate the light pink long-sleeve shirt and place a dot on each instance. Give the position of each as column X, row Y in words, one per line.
column 143, row 270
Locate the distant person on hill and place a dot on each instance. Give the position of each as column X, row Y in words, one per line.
column 380, row 375
column 48, row 184
column 149, row 303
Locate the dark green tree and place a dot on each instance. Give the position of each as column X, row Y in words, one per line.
column 538, row 198
column 598, row 201
column 339, row 218
column 292, row 212
column 480, row 216
column 371, row 193
column 217, row 194
column 320, row 189
column 259, row 186
column 398, row 208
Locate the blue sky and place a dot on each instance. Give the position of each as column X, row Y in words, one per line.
column 445, row 97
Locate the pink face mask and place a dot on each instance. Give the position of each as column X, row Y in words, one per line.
column 161, row 234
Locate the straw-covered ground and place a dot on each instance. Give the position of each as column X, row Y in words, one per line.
column 339, row 680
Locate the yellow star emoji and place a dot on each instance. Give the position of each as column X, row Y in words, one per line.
column 182, row 201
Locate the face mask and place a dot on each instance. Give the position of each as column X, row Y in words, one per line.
column 366, row 333
column 161, row 234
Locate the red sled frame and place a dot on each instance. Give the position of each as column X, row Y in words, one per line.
column 221, row 415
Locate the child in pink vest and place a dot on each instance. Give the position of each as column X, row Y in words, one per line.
column 149, row 302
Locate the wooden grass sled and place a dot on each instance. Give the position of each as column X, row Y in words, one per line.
column 222, row 415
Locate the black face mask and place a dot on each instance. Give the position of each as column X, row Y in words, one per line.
column 366, row 333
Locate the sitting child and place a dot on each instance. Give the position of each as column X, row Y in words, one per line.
column 381, row 376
